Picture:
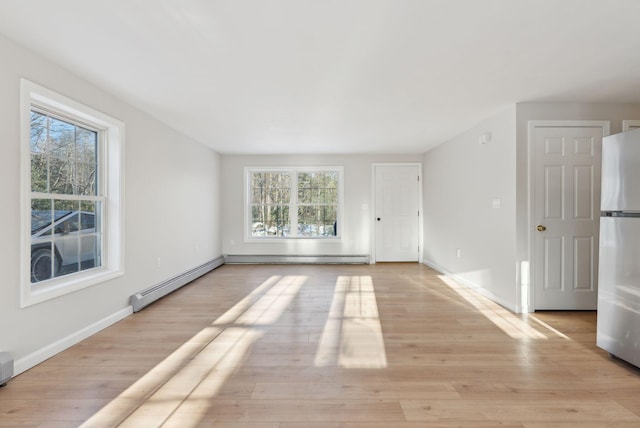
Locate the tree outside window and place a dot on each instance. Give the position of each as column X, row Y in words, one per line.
column 294, row 203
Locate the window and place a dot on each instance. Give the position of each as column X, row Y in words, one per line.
column 72, row 235
column 294, row 202
column 65, row 190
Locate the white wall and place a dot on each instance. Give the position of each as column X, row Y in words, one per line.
column 172, row 195
column 356, row 229
column 461, row 180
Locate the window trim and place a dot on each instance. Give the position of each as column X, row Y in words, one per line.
column 111, row 164
column 293, row 205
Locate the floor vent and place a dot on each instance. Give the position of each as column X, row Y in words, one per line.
column 6, row 368
column 149, row 295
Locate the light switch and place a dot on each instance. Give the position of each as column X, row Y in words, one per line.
column 497, row 203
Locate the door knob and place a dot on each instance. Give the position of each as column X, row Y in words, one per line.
column 541, row 228
column 378, row 218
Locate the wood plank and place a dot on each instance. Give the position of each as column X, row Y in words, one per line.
column 516, row 410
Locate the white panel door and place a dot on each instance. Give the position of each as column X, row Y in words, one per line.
column 397, row 213
column 566, row 211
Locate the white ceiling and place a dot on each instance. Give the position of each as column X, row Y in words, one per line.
column 336, row 76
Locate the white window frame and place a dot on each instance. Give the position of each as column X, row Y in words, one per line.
column 293, row 203
column 111, row 167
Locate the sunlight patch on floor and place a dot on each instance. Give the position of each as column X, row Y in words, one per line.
column 200, row 367
column 503, row 318
column 547, row 326
column 352, row 336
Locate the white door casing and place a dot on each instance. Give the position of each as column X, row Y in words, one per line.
column 630, row 125
column 565, row 209
column 396, row 211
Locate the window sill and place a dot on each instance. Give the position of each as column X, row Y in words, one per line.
column 46, row 290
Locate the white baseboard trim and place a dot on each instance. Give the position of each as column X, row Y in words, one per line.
column 471, row 285
column 35, row 358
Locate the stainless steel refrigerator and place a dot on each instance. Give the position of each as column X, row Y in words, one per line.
column 619, row 263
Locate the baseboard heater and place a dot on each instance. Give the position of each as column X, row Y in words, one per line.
column 149, row 295
column 296, row 259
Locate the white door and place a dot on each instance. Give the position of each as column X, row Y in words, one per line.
column 397, row 213
column 566, row 212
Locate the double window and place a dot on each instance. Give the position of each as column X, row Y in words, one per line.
column 294, row 202
column 72, row 186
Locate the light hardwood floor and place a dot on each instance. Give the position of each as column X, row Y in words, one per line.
column 388, row 345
